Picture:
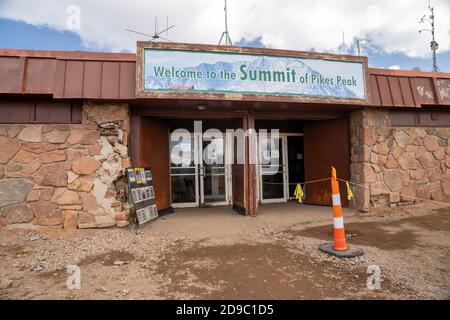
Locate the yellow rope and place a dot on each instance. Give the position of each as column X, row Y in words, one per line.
column 407, row 196
column 359, row 185
column 295, row 183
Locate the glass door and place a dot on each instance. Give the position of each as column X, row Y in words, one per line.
column 272, row 169
column 214, row 172
column 184, row 172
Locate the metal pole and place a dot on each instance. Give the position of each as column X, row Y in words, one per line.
column 225, row 34
column 433, row 42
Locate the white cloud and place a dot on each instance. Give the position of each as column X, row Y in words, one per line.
column 394, row 67
column 289, row 24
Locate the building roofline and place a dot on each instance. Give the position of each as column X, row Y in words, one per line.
column 131, row 57
column 68, row 55
column 408, row 73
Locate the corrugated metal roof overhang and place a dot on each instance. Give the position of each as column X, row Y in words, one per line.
column 111, row 76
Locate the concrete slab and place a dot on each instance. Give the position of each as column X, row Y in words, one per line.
column 223, row 224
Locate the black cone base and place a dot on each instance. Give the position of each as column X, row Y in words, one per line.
column 349, row 253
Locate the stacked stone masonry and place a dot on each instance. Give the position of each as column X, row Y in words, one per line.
column 63, row 174
column 397, row 165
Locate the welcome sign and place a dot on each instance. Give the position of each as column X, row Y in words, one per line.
column 196, row 71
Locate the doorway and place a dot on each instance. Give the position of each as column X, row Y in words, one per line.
column 200, row 171
column 280, row 166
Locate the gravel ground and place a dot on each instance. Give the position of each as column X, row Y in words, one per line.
column 411, row 245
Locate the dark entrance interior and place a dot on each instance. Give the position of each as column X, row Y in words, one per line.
column 296, row 165
column 310, row 146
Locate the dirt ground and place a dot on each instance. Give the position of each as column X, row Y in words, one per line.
column 216, row 254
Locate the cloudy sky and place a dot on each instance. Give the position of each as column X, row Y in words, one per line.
column 388, row 29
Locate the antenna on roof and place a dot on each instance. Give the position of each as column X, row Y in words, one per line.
column 225, row 35
column 343, row 42
column 359, row 44
column 433, row 44
column 157, row 35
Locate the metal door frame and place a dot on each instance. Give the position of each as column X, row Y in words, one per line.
column 195, row 174
column 283, row 137
column 227, row 173
column 198, row 174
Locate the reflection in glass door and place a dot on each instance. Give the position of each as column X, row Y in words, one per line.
column 184, row 172
column 213, row 171
column 272, row 169
column 200, row 174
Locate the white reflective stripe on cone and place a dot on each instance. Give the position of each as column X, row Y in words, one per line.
column 336, row 199
column 338, row 223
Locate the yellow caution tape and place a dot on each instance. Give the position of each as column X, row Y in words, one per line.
column 298, row 193
column 349, row 191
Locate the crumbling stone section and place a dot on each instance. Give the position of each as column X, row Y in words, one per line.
column 63, row 174
column 397, row 165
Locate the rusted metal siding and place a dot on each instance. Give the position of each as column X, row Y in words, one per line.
column 11, row 71
column 326, row 144
column 111, row 80
column 443, row 90
column 39, row 76
column 26, row 110
column 399, row 88
column 155, row 155
column 112, row 76
column 67, row 75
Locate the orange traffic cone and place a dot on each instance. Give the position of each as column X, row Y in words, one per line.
column 339, row 247
column 340, row 242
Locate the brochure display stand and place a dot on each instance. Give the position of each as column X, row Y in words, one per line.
column 142, row 195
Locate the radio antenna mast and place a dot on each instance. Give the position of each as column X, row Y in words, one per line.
column 433, row 44
column 157, row 35
column 344, row 49
column 225, row 35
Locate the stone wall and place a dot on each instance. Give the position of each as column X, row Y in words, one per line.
column 63, row 174
column 397, row 165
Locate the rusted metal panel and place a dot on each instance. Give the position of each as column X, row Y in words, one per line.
column 135, row 140
column 40, row 76
column 79, row 75
column 396, row 92
column 385, row 91
column 375, row 92
column 155, row 155
column 407, row 94
column 110, row 80
column 53, row 112
column 77, row 110
column 68, row 74
column 69, row 55
column 425, row 90
column 60, row 78
column 73, row 80
column 413, row 87
column 16, row 111
column 434, row 118
column 127, row 80
column 443, row 90
column 38, row 110
column 92, row 79
column 403, row 118
column 326, row 144
column 10, row 69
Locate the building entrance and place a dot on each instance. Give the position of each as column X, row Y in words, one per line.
column 280, row 166
column 200, row 172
